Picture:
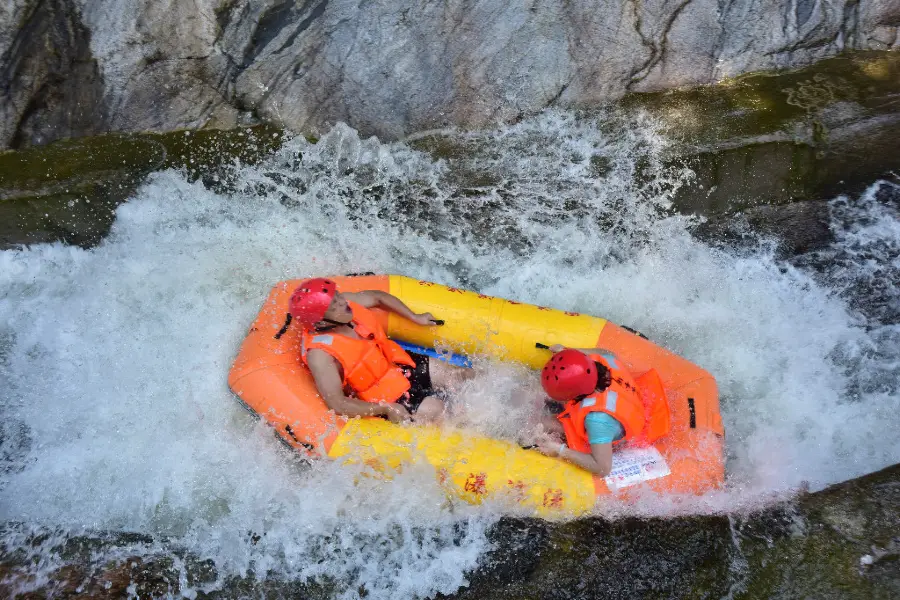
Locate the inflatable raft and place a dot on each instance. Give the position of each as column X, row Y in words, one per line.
column 269, row 378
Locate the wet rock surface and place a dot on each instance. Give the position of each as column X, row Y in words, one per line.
column 764, row 149
column 77, row 67
column 842, row 542
column 68, row 191
column 838, row 543
column 778, row 138
column 50, row 82
column 767, row 149
column 795, row 228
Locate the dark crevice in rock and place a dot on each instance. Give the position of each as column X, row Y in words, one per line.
column 271, row 23
column 647, row 43
column 803, row 10
column 657, row 48
column 850, row 24
column 50, row 66
column 803, row 44
column 275, row 20
column 557, row 96
column 234, row 66
column 721, row 20
column 35, row 103
column 223, row 14
column 316, row 12
column 812, row 39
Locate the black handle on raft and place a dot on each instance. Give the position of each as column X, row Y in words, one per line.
column 437, row 321
column 541, row 346
column 634, row 331
column 283, row 330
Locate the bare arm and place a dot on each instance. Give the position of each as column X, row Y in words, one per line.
column 377, row 298
column 597, row 461
column 326, row 372
column 559, row 348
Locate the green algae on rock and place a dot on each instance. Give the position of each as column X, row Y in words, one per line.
column 774, row 138
column 68, row 190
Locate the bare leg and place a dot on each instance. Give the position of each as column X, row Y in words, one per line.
column 446, row 376
column 430, row 410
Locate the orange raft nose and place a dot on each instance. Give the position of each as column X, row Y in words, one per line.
column 269, row 378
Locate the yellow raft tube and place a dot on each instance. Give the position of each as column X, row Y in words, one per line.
column 270, row 379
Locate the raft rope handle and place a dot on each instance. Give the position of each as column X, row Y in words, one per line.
column 284, row 328
column 541, row 346
column 290, row 432
column 634, row 331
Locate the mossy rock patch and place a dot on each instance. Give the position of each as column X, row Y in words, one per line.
column 68, row 191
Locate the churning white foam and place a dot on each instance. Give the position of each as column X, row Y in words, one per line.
column 117, row 415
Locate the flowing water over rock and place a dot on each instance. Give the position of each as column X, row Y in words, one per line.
column 116, row 416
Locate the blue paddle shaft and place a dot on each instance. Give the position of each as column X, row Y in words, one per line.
column 457, row 360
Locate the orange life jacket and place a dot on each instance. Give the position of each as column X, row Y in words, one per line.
column 369, row 364
column 639, row 404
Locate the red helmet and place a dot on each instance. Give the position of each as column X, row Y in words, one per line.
column 311, row 299
column 569, row 374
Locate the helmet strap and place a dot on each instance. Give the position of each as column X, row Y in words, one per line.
column 332, row 324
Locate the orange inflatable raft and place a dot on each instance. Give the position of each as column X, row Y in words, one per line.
column 269, row 378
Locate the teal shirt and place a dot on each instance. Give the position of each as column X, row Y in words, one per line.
column 602, row 428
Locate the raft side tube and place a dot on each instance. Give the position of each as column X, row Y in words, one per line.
column 470, row 467
column 477, row 324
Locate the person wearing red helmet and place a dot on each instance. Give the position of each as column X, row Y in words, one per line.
column 601, row 407
column 358, row 370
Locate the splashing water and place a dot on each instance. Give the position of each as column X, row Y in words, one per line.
column 116, row 415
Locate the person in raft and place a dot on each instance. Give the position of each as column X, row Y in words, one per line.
column 602, row 406
column 358, row 371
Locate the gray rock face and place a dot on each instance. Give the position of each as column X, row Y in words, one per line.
column 72, row 67
column 51, row 85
